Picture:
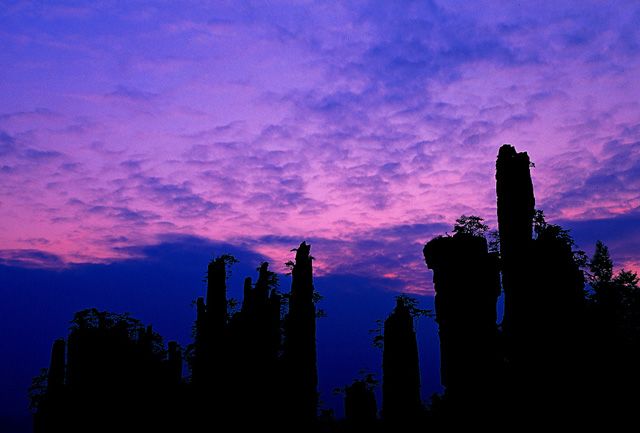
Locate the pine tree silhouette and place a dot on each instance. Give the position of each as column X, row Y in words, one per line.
column 613, row 313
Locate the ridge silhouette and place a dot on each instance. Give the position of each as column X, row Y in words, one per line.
column 566, row 352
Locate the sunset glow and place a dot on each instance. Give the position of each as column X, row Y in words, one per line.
column 336, row 123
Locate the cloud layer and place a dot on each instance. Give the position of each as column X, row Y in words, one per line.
column 366, row 127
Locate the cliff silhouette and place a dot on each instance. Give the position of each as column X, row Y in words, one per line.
column 566, row 352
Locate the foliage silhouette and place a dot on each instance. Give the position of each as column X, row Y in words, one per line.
column 471, row 225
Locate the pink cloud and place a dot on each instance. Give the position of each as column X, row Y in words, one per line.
column 314, row 121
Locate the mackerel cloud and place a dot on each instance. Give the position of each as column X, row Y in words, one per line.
column 364, row 127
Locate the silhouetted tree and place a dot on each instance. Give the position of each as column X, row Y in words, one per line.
column 470, row 225
column 601, row 267
column 614, row 312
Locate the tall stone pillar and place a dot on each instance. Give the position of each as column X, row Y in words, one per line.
column 467, row 284
column 516, row 207
column 400, row 367
column 300, row 341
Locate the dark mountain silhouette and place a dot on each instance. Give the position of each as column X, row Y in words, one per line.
column 566, row 352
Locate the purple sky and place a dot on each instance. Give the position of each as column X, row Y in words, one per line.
column 364, row 127
column 137, row 139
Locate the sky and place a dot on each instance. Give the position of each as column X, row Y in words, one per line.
column 129, row 130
